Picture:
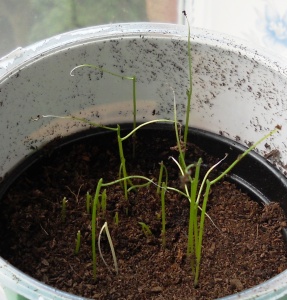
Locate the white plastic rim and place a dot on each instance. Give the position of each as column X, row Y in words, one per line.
column 237, row 90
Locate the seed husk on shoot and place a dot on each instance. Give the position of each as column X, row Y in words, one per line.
column 106, row 228
column 64, row 209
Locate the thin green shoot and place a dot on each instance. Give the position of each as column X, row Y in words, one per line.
column 104, row 201
column 64, row 209
column 162, row 168
column 146, row 230
column 145, row 124
column 163, row 220
column 189, row 91
column 83, row 120
column 198, row 247
column 78, row 242
column 116, row 218
column 128, row 178
column 88, row 202
column 180, row 146
column 193, row 209
column 137, row 186
column 207, row 174
column 106, row 228
column 94, row 227
column 123, row 170
column 241, row 156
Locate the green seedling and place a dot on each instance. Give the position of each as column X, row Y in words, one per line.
column 106, row 228
column 129, row 178
column 104, row 202
column 116, row 218
column 163, row 221
column 162, row 168
column 64, row 209
column 78, row 242
column 94, row 227
column 146, row 230
column 189, row 91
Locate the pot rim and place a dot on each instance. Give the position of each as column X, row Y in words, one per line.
column 23, row 56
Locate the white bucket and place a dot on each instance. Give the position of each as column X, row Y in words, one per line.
column 237, row 91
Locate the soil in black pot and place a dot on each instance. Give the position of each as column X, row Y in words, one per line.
column 244, row 249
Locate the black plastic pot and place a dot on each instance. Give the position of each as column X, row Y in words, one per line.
column 254, row 174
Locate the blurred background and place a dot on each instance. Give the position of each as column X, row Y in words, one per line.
column 261, row 22
column 23, row 22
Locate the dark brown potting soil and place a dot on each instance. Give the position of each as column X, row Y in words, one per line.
column 243, row 247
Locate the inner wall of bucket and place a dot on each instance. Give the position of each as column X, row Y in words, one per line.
column 232, row 93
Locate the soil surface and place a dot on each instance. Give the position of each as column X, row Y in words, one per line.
column 242, row 247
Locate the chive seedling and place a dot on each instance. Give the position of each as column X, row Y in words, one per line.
column 163, row 221
column 94, row 227
column 162, row 168
column 78, row 242
column 104, row 202
column 116, row 218
column 145, row 228
column 189, row 91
